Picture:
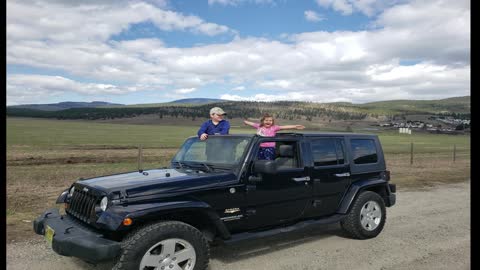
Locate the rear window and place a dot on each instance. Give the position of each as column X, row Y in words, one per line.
column 364, row 151
column 327, row 152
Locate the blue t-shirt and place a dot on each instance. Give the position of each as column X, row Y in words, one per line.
column 208, row 127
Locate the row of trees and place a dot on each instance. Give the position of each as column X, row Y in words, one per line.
column 243, row 109
column 236, row 109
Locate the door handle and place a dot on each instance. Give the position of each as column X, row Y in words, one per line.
column 342, row 174
column 301, row 179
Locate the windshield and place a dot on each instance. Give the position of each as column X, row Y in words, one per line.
column 225, row 151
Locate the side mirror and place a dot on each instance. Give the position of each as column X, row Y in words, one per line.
column 265, row 166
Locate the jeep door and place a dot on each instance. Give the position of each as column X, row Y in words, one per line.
column 280, row 197
column 330, row 174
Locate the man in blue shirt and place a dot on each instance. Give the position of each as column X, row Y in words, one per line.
column 216, row 125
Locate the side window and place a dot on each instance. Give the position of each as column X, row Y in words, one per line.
column 287, row 155
column 284, row 153
column 327, row 152
column 364, row 151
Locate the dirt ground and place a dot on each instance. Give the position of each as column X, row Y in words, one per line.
column 427, row 229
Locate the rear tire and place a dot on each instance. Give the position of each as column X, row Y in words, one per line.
column 366, row 217
column 167, row 244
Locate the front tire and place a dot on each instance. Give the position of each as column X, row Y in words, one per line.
column 166, row 245
column 366, row 217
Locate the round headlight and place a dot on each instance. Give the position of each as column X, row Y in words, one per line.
column 103, row 203
column 71, row 191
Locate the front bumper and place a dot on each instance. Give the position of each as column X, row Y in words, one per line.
column 71, row 238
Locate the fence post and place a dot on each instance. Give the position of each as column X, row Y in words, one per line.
column 454, row 152
column 411, row 153
column 140, row 158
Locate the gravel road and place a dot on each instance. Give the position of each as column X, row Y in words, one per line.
column 427, row 229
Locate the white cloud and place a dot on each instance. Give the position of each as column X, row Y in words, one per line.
column 185, row 90
column 224, row 2
column 60, row 22
column 238, row 88
column 29, row 88
column 369, row 7
column 340, row 65
column 291, row 96
column 239, row 2
column 62, row 84
column 276, row 84
column 338, row 5
column 157, row 3
column 348, row 7
column 312, row 16
column 212, row 29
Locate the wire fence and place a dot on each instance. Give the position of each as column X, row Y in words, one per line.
column 454, row 154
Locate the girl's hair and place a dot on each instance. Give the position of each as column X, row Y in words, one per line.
column 266, row 115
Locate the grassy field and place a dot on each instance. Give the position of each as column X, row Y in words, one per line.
column 45, row 156
column 43, row 133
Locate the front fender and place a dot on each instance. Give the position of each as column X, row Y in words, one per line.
column 112, row 218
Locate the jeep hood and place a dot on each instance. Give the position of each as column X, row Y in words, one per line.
column 150, row 182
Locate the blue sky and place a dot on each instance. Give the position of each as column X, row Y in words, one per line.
column 153, row 51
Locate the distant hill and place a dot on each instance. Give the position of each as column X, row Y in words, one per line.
column 291, row 110
column 64, row 105
column 448, row 105
column 186, row 102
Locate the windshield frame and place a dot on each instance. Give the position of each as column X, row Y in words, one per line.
column 235, row 167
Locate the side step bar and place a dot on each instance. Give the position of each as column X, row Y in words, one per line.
column 295, row 227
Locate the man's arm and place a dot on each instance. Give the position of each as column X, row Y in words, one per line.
column 203, row 129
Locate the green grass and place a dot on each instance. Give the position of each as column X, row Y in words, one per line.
column 47, row 133
column 42, row 133
column 395, row 143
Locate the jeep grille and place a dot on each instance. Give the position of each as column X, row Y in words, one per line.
column 82, row 204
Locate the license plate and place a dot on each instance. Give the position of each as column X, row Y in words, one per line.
column 49, row 232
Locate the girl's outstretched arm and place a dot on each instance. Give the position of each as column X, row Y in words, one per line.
column 249, row 123
column 292, row 127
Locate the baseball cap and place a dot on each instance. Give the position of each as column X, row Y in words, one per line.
column 217, row 110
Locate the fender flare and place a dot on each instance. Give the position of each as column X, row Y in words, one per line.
column 354, row 190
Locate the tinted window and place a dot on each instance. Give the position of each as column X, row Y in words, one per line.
column 364, row 151
column 327, row 152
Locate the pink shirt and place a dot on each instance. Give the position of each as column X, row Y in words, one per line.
column 267, row 132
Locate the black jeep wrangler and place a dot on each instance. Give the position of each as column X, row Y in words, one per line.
column 218, row 190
